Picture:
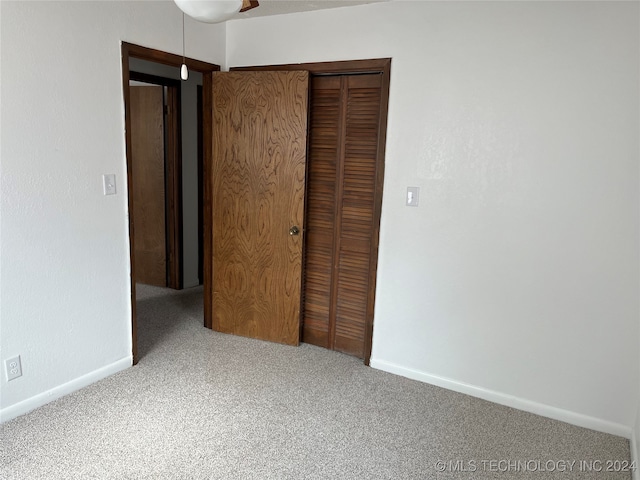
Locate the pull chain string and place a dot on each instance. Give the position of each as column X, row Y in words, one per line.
column 184, row 72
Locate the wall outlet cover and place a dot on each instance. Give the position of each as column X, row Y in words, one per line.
column 13, row 368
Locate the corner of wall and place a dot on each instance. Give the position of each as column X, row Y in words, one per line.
column 224, row 66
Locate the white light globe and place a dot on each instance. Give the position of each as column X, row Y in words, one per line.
column 210, row 11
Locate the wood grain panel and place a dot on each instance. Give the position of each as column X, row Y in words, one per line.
column 259, row 161
column 148, row 172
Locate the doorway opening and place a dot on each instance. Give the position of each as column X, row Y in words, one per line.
column 361, row 89
column 167, row 176
column 183, row 172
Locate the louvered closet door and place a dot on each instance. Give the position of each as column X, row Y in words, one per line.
column 343, row 149
column 322, row 169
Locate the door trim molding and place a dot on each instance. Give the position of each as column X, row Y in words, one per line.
column 343, row 67
column 153, row 79
column 128, row 51
column 383, row 67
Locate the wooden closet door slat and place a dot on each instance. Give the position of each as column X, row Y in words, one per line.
column 343, row 149
column 357, row 211
column 322, row 163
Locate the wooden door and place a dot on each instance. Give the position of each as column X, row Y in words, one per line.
column 258, row 190
column 342, row 222
column 148, row 172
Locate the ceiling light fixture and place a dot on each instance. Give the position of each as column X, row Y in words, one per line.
column 210, row 11
column 214, row 11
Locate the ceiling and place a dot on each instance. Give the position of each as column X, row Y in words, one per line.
column 282, row 7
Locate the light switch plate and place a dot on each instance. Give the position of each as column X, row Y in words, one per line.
column 413, row 196
column 109, row 184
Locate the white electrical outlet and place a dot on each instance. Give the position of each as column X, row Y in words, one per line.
column 13, row 368
column 109, row 184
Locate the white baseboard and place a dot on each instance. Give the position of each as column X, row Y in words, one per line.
column 43, row 398
column 634, row 454
column 508, row 400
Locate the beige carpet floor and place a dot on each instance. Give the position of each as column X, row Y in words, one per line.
column 203, row 405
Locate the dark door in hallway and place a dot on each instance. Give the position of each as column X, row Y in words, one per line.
column 148, row 162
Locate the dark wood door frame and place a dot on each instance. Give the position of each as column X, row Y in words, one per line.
column 173, row 173
column 200, row 190
column 130, row 50
column 383, row 67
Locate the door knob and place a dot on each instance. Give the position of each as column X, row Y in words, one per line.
column 294, row 230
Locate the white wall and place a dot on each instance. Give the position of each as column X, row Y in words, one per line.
column 635, row 441
column 635, row 444
column 189, row 127
column 64, row 297
column 516, row 279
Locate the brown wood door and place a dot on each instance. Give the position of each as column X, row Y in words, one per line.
column 258, row 190
column 342, row 224
column 148, row 172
